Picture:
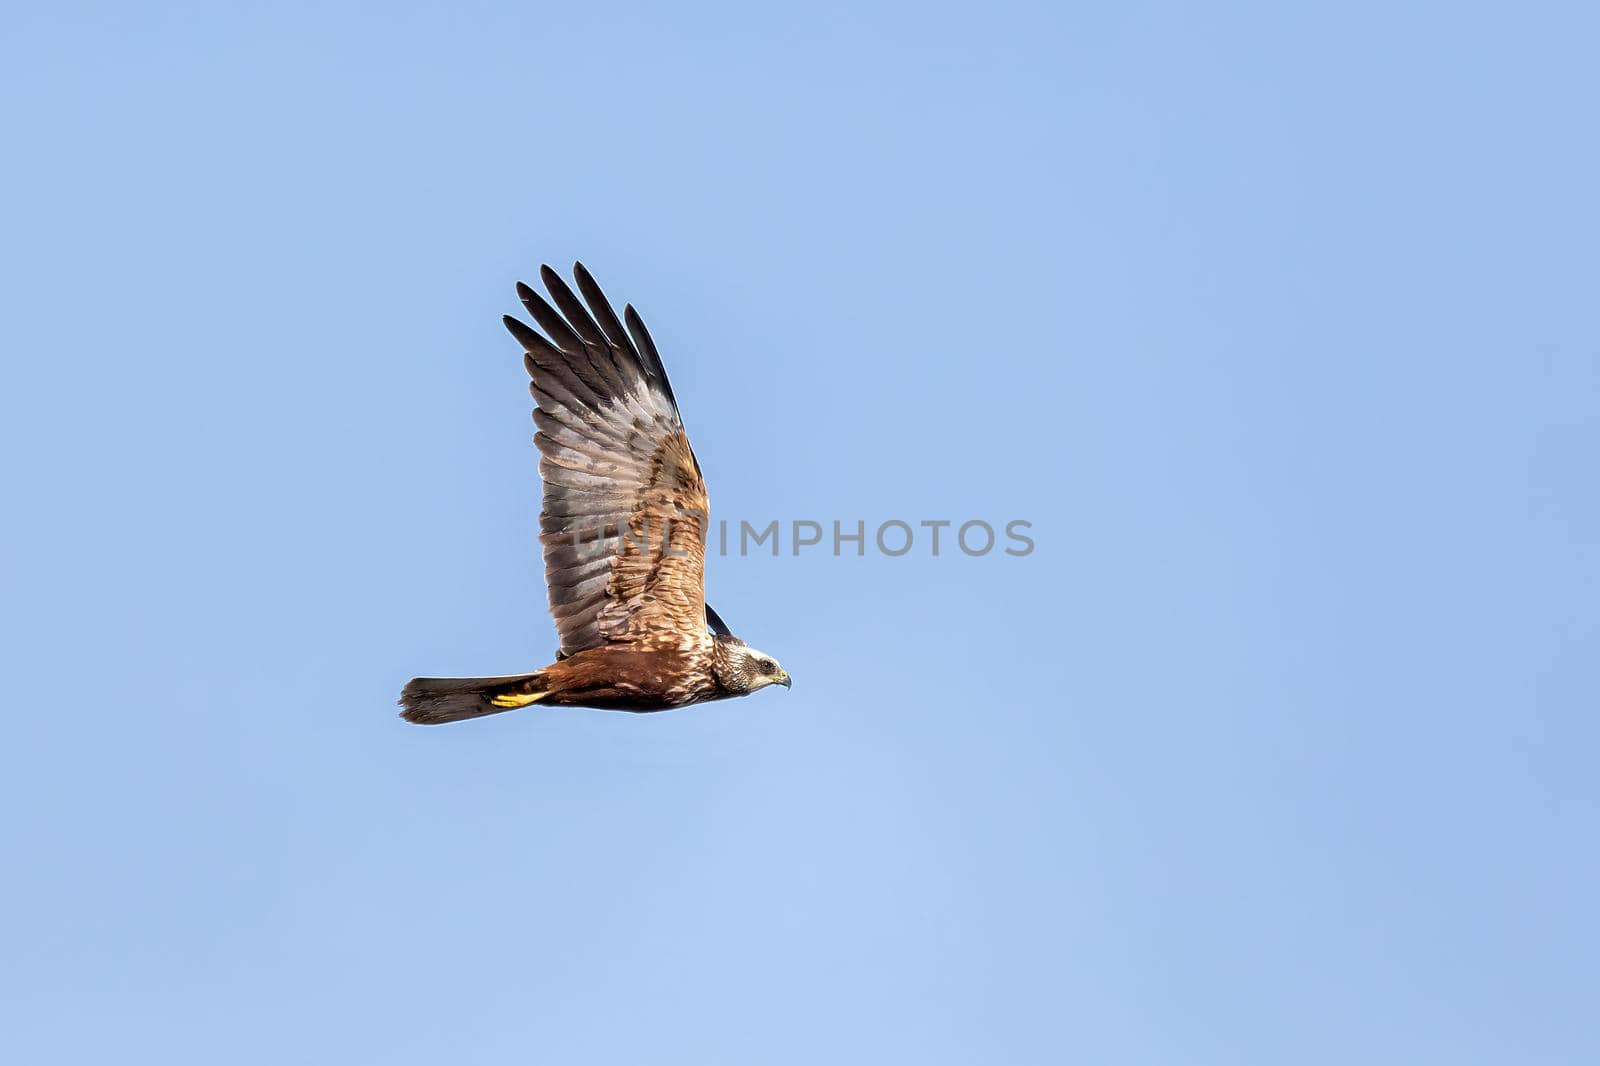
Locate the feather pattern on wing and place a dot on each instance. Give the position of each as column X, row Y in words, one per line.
column 625, row 508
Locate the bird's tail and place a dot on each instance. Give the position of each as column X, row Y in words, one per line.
column 436, row 700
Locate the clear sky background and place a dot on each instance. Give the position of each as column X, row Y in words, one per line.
column 1277, row 321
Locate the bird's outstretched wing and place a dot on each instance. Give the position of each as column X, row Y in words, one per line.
column 625, row 510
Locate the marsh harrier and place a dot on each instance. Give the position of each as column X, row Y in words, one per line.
column 623, row 528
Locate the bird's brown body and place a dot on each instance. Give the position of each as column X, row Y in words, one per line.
column 623, row 529
column 629, row 680
column 634, row 679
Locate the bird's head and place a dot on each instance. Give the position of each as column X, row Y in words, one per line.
column 742, row 669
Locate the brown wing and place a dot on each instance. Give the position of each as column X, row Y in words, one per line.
column 623, row 522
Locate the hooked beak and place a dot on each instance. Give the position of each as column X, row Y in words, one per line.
column 785, row 681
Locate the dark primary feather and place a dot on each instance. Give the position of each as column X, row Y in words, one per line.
column 615, row 334
column 577, row 315
column 718, row 626
column 549, row 320
column 647, row 349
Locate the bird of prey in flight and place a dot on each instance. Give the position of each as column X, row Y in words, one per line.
column 623, row 527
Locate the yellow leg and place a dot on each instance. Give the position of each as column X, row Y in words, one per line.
column 517, row 699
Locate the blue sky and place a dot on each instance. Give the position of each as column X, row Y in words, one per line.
column 1278, row 325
